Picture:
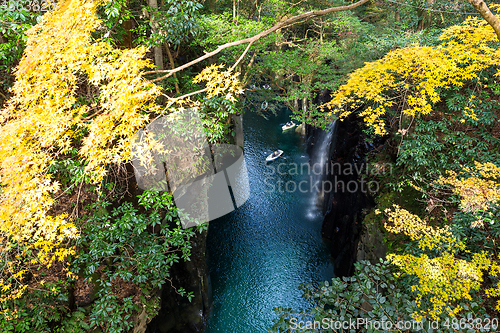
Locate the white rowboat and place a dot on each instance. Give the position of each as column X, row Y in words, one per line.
column 272, row 158
column 287, row 127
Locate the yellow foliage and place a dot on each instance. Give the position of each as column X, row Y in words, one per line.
column 42, row 118
column 479, row 190
column 220, row 83
column 443, row 279
column 50, row 113
column 411, row 78
column 494, row 292
column 409, row 81
column 402, row 221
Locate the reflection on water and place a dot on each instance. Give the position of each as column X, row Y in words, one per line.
column 259, row 254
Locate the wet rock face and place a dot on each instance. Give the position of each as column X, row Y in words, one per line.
column 177, row 314
column 343, row 206
column 371, row 245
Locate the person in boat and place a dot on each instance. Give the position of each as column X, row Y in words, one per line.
column 275, row 153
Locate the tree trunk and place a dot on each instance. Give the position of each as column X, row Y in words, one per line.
column 157, row 49
column 481, row 7
column 172, row 66
column 397, row 14
column 234, row 11
column 255, row 5
column 127, row 26
column 425, row 17
column 321, row 30
column 211, row 6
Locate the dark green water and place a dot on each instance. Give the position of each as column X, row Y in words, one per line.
column 259, row 254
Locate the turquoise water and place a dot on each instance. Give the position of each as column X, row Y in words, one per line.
column 259, row 254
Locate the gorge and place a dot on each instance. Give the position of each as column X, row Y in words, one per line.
column 286, row 234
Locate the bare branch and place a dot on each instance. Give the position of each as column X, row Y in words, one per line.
column 252, row 60
column 190, row 94
column 253, row 39
column 172, row 100
column 241, row 57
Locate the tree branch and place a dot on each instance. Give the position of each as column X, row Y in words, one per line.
column 253, row 39
column 172, row 66
column 172, row 100
column 241, row 57
column 252, row 60
column 482, row 8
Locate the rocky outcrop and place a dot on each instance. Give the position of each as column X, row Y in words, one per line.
column 345, row 206
column 371, row 245
column 177, row 313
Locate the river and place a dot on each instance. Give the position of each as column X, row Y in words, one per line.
column 259, row 254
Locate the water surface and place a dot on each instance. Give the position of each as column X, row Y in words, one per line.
column 259, row 254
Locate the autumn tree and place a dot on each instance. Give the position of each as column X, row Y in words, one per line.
column 76, row 104
column 438, row 107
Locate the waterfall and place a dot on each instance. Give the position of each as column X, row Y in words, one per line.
column 320, row 156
